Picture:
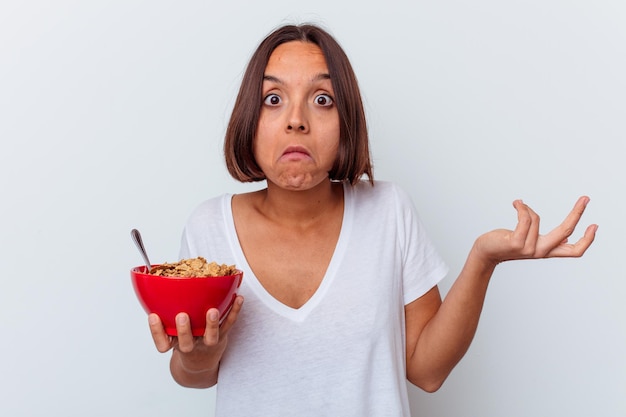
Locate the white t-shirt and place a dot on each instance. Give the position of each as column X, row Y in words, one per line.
column 343, row 352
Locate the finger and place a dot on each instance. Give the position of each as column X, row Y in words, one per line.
column 569, row 224
column 524, row 222
column 563, row 231
column 161, row 340
column 212, row 330
column 577, row 249
column 232, row 316
column 530, row 245
column 183, row 329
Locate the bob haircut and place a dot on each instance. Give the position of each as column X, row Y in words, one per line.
column 353, row 155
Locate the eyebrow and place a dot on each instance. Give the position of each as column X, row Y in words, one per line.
column 319, row 77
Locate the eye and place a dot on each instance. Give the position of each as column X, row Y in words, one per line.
column 323, row 100
column 272, row 100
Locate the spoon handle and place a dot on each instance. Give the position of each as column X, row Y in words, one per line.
column 136, row 236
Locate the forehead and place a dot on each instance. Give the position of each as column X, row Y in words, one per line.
column 296, row 56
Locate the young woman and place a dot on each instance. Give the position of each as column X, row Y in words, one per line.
column 340, row 280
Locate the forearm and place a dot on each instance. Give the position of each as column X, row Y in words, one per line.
column 436, row 343
column 449, row 333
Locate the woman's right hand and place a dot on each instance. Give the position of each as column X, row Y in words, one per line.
column 195, row 360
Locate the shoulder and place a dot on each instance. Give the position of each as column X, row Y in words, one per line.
column 243, row 202
column 206, row 229
column 209, row 209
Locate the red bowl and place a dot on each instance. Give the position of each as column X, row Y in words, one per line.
column 168, row 296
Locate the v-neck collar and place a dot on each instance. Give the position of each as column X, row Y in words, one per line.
column 250, row 280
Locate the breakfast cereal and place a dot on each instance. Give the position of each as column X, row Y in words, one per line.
column 194, row 267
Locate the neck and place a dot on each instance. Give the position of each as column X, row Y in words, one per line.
column 303, row 206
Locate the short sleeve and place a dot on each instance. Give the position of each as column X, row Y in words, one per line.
column 422, row 265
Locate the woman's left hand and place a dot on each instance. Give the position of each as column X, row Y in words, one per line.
column 525, row 242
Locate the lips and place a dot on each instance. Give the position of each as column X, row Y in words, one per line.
column 295, row 153
column 296, row 149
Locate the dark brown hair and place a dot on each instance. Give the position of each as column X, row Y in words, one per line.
column 353, row 156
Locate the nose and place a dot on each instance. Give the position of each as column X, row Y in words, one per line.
column 301, row 127
column 297, row 119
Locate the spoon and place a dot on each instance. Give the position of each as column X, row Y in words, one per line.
column 139, row 243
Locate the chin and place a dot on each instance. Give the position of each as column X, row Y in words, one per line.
column 299, row 182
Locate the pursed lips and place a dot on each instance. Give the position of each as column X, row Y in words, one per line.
column 293, row 153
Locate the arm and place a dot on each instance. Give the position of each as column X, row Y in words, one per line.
column 439, row 333
column 195, row 360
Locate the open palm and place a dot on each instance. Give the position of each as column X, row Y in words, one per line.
column 525, row 242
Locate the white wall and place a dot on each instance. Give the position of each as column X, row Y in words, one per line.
column 112, row 116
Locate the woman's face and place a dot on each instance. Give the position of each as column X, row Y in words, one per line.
column 298, row 132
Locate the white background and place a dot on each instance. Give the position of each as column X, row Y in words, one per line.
column 112, row 116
